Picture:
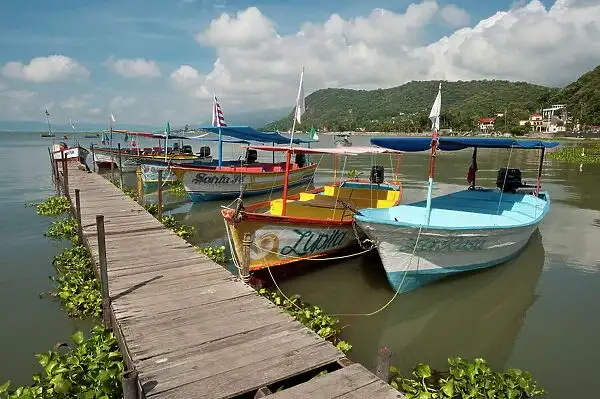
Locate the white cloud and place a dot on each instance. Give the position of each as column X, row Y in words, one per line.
column 455, row 16
column 134, row 68
column 119, row 103
column 76, row 103
column 259, row 67
column 94, row 111
column 46, row 69
column 19, row 96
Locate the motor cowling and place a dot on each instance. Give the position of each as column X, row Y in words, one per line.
column 509, row 179
column 377, row 174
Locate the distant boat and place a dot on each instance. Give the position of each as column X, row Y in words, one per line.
column 475, row 228
column 91, row 135
column 70, row 153
column 47, row 135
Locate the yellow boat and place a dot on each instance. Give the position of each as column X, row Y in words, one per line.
column 312, row 224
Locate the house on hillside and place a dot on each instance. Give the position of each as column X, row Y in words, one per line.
column 486, row 124
column 554, row 119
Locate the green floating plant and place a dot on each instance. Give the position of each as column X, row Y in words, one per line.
column 77, row 286
column 151, row 209
column 177, row 189
column 466, row 379
column 88, row 369
column 311, row 316
column 182, row 230
column 63, row 229
column 577, row 154
column 213, row 252
column 53, row 206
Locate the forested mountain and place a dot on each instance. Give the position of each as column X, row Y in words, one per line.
column 582, row 98
column 406, row 108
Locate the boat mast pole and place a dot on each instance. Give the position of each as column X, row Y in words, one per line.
column 288, row 154
column 539, row 176
column 434, row 116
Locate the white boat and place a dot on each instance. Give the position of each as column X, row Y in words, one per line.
column 70, row 153
column 342, row 140
column 470, row 229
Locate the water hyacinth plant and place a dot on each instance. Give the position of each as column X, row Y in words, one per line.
column 313, row 317
column 182, row 230
column 88, row 369
column 215, row 253
column 466, row 379
column 53, row 206
column 177, row 189
column 77, row 286
column 63, row 229
column 577, row 154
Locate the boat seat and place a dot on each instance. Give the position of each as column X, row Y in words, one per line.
column 361, row 193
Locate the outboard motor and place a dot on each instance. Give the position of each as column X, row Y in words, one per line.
column 204, row 152
column 251, row 155
column 377, row 174
column 175, row 146
column 509, row 179
column 187, row 149
column 300, row 160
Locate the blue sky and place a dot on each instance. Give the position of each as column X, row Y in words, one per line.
column 95, row 35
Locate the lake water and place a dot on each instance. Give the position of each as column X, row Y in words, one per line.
column 536, row 312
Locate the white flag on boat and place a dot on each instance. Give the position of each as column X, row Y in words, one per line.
column 71, row 123
column 434, row 115
column 300, row 105
column 112, row 118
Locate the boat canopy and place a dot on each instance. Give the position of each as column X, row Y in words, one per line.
column 413, row 144
column 358, row 150
column 204, row 138
column 149, row 135
column 249, row 134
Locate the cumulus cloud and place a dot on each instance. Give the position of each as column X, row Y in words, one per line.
column 46, row 69
column 118, row 103
column 75, row 102
column 455, row 16
column 134, row 68
column 259, row 66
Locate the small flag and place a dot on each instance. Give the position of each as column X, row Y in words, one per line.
column 300, row 104
column 72, row 125
column 217, row 115
column 112, row 118
column 313, row 134
column 47, row 113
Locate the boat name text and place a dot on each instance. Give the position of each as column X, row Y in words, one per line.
column 310, row 242
column 204, row 178
column 437, row 244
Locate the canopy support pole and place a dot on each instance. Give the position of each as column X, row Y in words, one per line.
column 286, row 180
column 431, row 174
column 539, row 176
column 220, row 147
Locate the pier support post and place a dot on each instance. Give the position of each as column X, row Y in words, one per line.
column 103, row 270
column 120, row 166
column 140, row 186
column 384, row 359
column 65, row 175
column 93, row 157
column 78, row 213
column 52, row 166
column 130, row 384
column 245, row 266
column 159, row 195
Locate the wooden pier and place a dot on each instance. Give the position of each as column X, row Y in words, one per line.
column 188, row 328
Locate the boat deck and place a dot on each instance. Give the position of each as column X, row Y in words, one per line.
column 189, row 327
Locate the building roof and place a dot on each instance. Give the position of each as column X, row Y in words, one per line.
column 487, row 120
column 532, row 115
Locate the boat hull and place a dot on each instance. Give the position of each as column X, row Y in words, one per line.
column 75, row 153
column 277, row 244
column 206, row 184
column 150, row 175
column 440, row 253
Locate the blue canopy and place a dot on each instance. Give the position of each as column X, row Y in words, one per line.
column 217, row 139
column 249, row 134
column 413, row 144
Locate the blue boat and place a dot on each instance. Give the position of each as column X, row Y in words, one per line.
column 475, row 228
column 222, row 179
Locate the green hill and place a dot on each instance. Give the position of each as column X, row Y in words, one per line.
column 582, row 98
column 406, row 107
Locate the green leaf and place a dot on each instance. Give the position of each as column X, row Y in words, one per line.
column 78, row 338
column 4, row 387
column 448, row 389
column 422, row 370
